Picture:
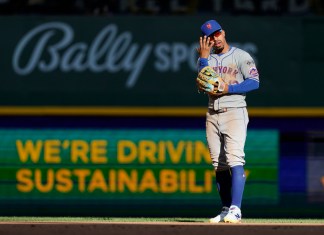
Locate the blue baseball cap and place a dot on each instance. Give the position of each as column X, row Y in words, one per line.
column 210, row 27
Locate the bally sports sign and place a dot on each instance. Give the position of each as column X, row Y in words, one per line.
column 110, row 50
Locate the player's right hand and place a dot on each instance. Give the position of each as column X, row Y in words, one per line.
column 205, row 46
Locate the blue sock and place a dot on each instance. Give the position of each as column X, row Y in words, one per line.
column 224, row 186
column 238, row 183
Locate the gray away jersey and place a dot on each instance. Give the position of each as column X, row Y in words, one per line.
column 234, row 67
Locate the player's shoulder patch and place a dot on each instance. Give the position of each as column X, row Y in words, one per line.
column 250, row 63
column 253, row 72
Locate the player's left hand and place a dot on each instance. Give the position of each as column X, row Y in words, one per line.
column 224, row 89
column 210, row 82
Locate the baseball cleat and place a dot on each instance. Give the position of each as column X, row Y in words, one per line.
column 220, row 217
column 233, row 216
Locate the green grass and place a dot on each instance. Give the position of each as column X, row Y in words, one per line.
column 115, row 219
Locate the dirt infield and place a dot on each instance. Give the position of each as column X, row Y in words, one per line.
column 161, row 228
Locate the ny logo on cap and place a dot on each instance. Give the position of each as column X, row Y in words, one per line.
column 209, row 26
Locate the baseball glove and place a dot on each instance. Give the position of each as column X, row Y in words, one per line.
column 209, row 81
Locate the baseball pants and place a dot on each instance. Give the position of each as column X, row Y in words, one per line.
column 226, row 134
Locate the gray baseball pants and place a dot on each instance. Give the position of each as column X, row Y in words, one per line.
column 226, row 131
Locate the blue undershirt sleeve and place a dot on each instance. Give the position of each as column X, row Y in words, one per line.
column 203, row 62
column 247, row 85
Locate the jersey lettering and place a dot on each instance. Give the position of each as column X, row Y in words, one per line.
column 226, row 70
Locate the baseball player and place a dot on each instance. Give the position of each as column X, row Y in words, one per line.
column 227, row 117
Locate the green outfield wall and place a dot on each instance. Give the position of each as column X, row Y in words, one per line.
column 145, row 61
column 135, row 168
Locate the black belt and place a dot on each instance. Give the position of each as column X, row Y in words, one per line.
column 223, row 110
